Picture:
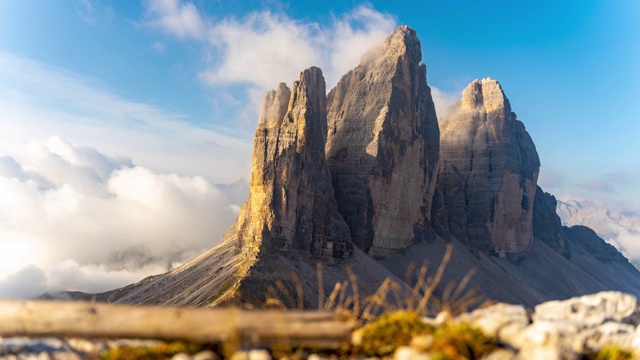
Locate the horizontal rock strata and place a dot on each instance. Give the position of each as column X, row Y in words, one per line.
column 488, row 171
column 382, row 146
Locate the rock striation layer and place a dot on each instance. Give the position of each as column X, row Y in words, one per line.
column 382, row 145
column 488, row 171
column 291, row 202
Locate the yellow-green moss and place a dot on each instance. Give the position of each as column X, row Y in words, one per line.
column 611, row 352
column 460, row 342
column 390, row 331
column 157, row 352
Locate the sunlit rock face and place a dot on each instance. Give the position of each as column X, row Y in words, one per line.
column 291, row 202
column 382, row 145
column 488, row 171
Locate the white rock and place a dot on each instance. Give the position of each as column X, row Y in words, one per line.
column 409, row 353
column 181, row 356
column 502, row 321
column 592, row 310
column 205, row 355
column 253, row 354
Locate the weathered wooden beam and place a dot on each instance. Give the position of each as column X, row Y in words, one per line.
column 94, row 320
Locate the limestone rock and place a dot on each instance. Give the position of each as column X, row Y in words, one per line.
column 382, row 145
column 291, row 200
column 546, row 223
column 290, row 220
column 488, row 172
column 501, row 321
column 592, row 309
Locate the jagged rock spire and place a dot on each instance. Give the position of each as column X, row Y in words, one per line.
column 291, row 202
column 488, row 171
column 382, row 145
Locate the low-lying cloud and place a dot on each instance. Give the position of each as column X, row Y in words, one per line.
column 72, row 218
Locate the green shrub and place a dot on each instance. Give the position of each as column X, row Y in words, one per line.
column 610, row 352
column 157, row 352
column 390, row 331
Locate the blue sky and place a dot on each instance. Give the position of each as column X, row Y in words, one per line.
column 165, row 94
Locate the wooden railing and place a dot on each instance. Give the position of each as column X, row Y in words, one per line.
column 94, row 320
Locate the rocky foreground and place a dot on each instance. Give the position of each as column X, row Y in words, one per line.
column 605, row 325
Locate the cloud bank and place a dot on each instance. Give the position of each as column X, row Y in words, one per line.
column 72, row 218
column 98, row 191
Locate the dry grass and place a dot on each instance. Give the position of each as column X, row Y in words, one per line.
column 611, row 352
column 391, row 296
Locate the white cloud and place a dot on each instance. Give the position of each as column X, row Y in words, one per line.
column 352, row 35
column 175, row 17
column 75, row 212
column 257, row 52
column 262, row 49
column 265, row 48
column 443, row 100
column 73, row 218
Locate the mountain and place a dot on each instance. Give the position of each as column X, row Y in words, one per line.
column 488, row 171
column 501, row 224
column 382, row 146
column 616, row 225
column 289, row 222
column 368, row 181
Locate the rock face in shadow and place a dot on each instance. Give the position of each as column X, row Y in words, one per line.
column 592, row 244
column 488, row 171
column 382, row 146
column 547, row 226
column 291, row 200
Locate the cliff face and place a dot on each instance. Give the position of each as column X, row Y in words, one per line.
column 488, row 171
column 291, row 200
column 382, row 145
column 546, row 224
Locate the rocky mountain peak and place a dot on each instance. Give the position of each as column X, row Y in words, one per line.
column 291, row 200
column 382, row 145
column 489, row 170
column 403, row 42
column 485, row 94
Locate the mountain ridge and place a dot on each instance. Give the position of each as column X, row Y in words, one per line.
column 364, row 180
